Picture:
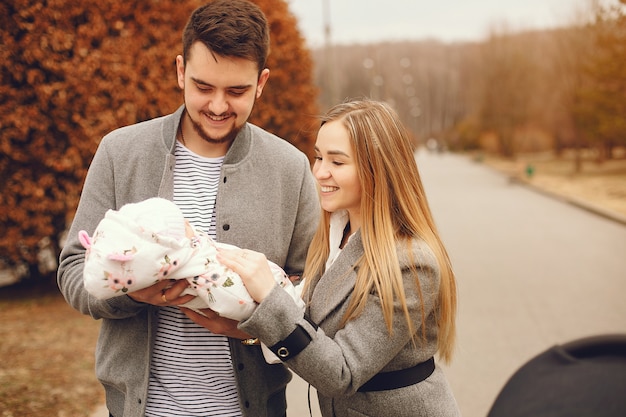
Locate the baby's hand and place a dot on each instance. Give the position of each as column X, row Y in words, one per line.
column 189, row 232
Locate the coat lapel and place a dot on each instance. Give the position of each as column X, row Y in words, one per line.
column 337, row 283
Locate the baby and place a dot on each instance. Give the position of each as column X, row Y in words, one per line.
column 147, row 242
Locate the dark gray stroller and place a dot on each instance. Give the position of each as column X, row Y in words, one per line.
column 586, row 377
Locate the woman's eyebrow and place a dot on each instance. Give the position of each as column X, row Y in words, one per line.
column 337, row 152
column 332, row 151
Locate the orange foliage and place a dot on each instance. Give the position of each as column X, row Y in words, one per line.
column 73, row 70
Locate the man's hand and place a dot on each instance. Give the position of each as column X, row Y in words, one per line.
column 215, row 323
column 163, row 293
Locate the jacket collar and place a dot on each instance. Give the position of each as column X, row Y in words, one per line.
column 337, row 284
column 170, row 129
column 240, row 148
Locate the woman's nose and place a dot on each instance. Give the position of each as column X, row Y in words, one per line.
column 321, row 172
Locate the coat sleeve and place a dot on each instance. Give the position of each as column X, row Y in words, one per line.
column 97, row 197
column 339, row 361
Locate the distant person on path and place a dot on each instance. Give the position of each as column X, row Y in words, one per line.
column 379, row 287
column 241, row 184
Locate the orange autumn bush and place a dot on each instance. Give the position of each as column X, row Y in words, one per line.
column 73, row 70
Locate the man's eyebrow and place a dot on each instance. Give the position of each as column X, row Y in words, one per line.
column 198, row 81
column 237, row 87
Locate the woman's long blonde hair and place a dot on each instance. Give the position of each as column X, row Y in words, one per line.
column 393, row 209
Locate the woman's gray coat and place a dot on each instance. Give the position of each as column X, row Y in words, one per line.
column 339, row 360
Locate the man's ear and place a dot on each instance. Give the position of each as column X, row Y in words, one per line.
column 265, row 74
column 180, row 71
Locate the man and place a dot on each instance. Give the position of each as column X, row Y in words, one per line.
column 240, row 183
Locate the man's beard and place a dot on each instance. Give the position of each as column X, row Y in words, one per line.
column 229, row 137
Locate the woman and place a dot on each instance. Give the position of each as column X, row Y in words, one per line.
column 379, row 287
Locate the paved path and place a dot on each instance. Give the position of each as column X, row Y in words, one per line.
column 532, row 271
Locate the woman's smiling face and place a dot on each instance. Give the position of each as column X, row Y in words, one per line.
column 336, row 171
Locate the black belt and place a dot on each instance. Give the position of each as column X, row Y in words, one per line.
column 398, row 379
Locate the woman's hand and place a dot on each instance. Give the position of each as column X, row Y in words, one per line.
column 253, row 269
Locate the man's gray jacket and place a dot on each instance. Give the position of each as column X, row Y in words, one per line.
column 266, row 201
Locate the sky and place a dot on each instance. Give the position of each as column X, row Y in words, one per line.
column 365, row 21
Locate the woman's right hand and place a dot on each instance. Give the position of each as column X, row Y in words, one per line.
column 253, row 269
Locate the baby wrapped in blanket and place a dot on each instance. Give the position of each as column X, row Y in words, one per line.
column 146, row 242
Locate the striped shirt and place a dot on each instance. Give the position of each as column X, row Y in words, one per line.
column 191, row 371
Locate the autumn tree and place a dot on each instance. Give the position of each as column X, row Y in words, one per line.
column 508, row 76
column 572, row 48
column 72, row 70
column 601, row 100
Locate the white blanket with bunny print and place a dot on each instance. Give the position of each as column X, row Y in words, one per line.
column 146, row 242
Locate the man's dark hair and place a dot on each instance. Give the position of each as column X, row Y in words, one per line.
column 230, row 28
